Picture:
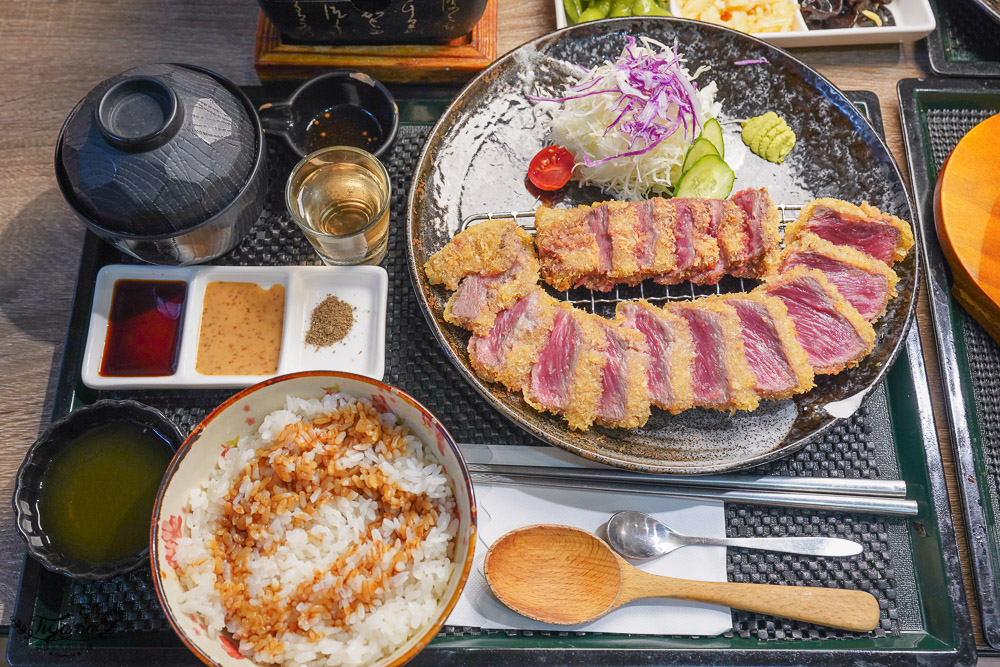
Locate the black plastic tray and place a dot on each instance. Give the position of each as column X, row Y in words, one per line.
column 936, row 114
column 911, row 566
column 966, row 41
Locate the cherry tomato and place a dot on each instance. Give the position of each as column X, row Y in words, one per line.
column 551, row 168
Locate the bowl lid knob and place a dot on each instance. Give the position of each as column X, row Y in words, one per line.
column 139, row 113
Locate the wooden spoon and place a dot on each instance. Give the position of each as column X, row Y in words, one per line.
column 566, row 576
column 967, row 217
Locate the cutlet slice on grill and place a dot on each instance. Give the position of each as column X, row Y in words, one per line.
column 697, row 250
column 721, row 377
column 760, row 235
column 568, row 248
column 831, row 330
column 479, row 298
column 512, row 345
column 670, row 350
column 485, row 249
column 864, row 281
column 779, row 362
column 566, row 377
column 885, row 237
column 655, row 247
column 624, row 390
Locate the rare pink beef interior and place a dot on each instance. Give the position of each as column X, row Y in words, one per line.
column 659, row 340
column 755, row 204
column 614, row 379
column 871, row 235
column 867, row 292
column 827, row 336
column 552, row 374
column 710, row 377
column 490, row 350
column 764, row 351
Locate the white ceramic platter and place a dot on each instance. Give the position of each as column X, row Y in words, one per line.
column 914, row 20
column 362, row 351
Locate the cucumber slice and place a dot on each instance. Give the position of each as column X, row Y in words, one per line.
column 713, row 132
column 699, row 149
column 710, row 178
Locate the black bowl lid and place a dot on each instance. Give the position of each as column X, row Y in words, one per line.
column 157, row 149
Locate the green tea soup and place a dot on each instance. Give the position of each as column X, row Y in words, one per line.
column 97, row 496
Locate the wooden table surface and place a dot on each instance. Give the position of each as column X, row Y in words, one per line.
column 52, row 53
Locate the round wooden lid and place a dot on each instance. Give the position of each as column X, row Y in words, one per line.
column 967, row 217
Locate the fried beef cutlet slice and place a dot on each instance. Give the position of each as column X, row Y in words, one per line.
column 885, row 237
column 486, row 249
column 671, row 353
column 867, row 283
column 566, row 377
column 568, row 247
column 625, row 397
column 721, row 377
column 761, row 235
column 479, row 298
column 779, row 362
column 507, row 353
column 831, row 330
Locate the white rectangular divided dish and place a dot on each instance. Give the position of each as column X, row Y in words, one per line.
column 914, row 20
column 361, row 351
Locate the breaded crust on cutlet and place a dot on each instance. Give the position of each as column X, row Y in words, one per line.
column 501, row 294
column 795, row 355
column 637, row 393
column 623, row 223
column 905, row 241
column 859, row 213
column 567, row 247
column 738, row 374
column 706, row 247
column 523, row 347
column 771, row 238
column 807, row 242
column 487, row 248
column 664, row 259
column 586, row 390
column 861, row 326
column 585, row 382
column 680, row 352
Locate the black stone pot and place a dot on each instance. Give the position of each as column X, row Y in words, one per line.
column 374, row 21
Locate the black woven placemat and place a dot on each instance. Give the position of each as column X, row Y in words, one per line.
column 860, row 447
column 966, row 41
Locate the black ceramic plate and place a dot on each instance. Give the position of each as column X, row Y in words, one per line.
column 476, row 158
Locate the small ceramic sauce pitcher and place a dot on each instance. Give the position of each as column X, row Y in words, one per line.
column 335, row 109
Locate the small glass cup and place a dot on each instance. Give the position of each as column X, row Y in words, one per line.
column 339, row 197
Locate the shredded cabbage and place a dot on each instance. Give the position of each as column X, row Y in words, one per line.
column 629, row 122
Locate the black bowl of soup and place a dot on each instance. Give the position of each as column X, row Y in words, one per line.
column 84, row 494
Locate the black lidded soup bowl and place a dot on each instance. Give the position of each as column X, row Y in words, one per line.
column 165, row 162
column 374, row 21
column 55, row 439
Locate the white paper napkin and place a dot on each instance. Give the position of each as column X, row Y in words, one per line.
column 503, row 508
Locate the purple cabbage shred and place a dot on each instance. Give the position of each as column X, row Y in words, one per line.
column 656, row 99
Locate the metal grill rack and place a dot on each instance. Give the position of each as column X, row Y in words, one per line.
column 604, row 303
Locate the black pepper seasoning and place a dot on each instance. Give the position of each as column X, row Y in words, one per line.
column 330, row 321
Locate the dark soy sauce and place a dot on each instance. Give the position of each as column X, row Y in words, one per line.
column 343, row 125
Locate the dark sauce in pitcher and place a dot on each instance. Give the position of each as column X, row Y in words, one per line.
column 343, row 125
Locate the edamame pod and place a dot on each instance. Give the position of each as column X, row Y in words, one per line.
column 647, row 8
column 573, row 10
column 621, row 8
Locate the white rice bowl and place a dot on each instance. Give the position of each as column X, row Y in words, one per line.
column 289, row 555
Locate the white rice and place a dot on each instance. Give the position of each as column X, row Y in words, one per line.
column 310, row 553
